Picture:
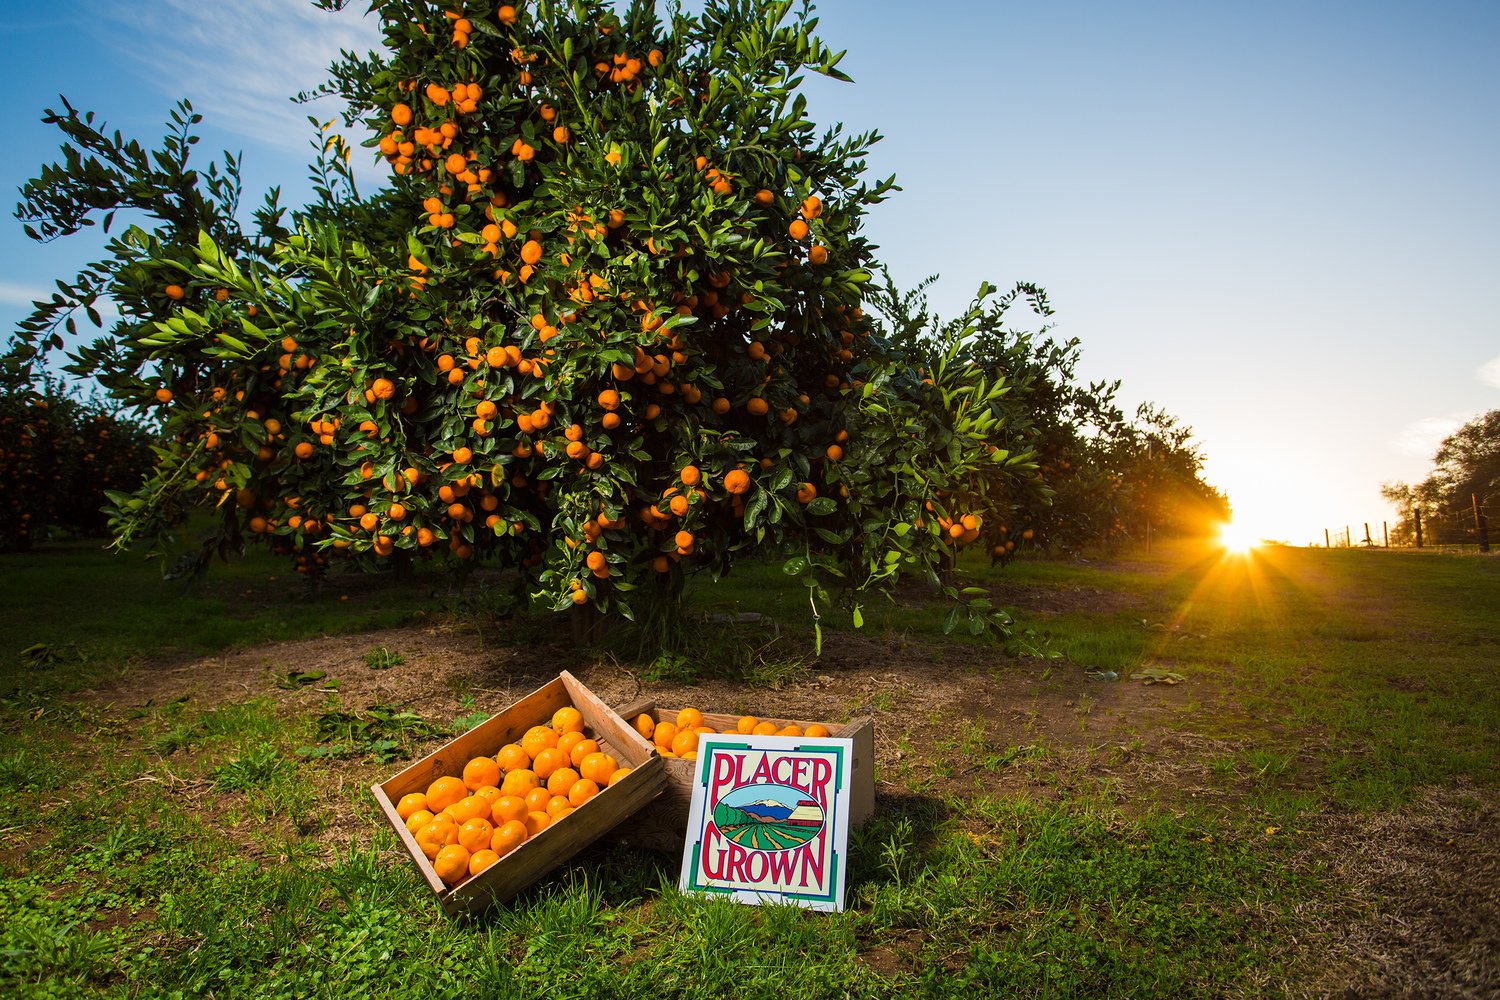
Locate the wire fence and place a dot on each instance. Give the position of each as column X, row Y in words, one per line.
column 1466, row 528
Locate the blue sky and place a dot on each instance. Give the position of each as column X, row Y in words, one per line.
column 1279, row 221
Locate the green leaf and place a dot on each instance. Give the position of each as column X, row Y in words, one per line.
column 822, row 506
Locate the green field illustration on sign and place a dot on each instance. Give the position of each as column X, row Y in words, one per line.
column 768, row 817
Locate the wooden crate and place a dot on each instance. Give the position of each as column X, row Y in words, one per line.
column 662, row 825
column 558, row 842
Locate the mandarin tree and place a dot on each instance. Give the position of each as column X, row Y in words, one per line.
column 604, row 322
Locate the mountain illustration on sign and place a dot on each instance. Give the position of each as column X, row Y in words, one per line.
column 768, row 817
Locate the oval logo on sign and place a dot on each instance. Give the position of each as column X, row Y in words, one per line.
column 768, row 817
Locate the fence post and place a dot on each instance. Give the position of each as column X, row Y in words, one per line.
column 1348, row 537
column 1385, row 532
column 1327, row 542
column 1481, row 527
column 1368, row 539
column 1417, row 516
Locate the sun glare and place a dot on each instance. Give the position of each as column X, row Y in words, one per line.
column 1236, row 539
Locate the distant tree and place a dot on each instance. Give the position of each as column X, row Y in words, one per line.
column 1465, row 468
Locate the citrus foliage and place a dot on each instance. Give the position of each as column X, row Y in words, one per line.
column 58, row 456
column 605, row 322
column 1099, row 477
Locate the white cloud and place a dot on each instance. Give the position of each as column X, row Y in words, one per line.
column 1422, row 437
column 240, row 62
column 12, row 294
column 1489, row 372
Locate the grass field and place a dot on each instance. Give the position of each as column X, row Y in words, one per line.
column 1308, row 810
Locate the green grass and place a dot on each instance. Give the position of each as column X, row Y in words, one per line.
column 188, row 851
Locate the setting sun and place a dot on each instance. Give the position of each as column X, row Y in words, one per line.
column 1236, row 539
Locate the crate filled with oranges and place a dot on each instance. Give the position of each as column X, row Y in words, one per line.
column 674, row 732
column 500, row 806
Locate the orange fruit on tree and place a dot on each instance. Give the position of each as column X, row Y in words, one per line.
column 475, row 834
column 410, row 803
column 737, row 481
column 519, row 782
column 512, row 758
column 597, row 767
column 797, row 230
column 507, row 808
column 582, row 749
column 445, row 791
column 508, row 836
column 481, row 771
column 451, row 863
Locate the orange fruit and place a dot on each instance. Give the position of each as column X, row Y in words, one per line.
column 445, row 791
column 519, row 782
column 567, row 741
column 489, row 793
column 537, row 799
column 482, row 859
column 583, row 789
column 507, row 808
column 512, row 758
column 436, row 835
column 562, row 811
column 764, row 729
column 645, row 725
column 547, row 761
column 665, row 733
column 746, row 725
column 557, row 805
column 451, row 863
column 817, row 729
column 685, row 741
column 536, row 822
column 418, row 819
column 537, row 739
column 567, row 720
column 789, row 730
column 481, row 771
column 620, row 774
column 508, row 836
column 467, row 808
column 689, row 718
column 582, row 749
column 598, row 767
column 562, row 779
column 475, row 835
column 410, row 803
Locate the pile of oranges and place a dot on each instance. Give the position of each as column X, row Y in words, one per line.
column 464, row 824
column 680, row 738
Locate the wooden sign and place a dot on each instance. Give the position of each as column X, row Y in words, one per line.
column 769, row 820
